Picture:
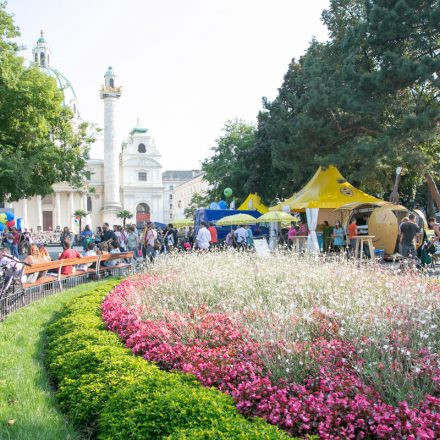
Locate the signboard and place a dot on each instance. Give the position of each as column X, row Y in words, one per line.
column 261, row 247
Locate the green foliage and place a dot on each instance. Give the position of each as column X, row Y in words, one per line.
column 39, row 145
column 229, row 166
column 197, row 201
column 26, row 394
column 367, row 101
column 107, row 391
column 124, row 214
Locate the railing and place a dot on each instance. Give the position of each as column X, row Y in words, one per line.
column 21, row 297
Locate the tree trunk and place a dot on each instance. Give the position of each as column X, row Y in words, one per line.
column 123, row 222
column 433, row 189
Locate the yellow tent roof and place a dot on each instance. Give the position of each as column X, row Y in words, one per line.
column 253, row 201
column 326, row 189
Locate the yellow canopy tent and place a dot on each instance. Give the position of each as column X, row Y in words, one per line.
column 253, row 201
column 327, row 189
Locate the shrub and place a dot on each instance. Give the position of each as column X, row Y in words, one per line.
column 103, row 388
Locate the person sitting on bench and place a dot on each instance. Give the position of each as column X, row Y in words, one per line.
column 114, row 249
column 68, row 253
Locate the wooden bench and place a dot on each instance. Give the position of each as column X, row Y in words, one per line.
column 56, row 268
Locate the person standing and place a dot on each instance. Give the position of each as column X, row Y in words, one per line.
column 132, row 242
column 66, row 235
column 213, row 231
column 352, row 232
column 241, row 237
column 249, row 237
column 203, row 237
column 409, row 231
column 291, row 233
column 338, row 236
column 15, row 242
column 150, row 238
column 435, row 227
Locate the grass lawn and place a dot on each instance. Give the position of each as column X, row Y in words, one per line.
column 28, row 408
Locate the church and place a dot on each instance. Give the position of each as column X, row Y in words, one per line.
column 128, row 177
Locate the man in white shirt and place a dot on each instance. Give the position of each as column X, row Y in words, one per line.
column 241, row 235
column 203, row 237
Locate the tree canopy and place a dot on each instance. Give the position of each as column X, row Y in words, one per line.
column 229, row 166
column 39, row 144
column 366, row 100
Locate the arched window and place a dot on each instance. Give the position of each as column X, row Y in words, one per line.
column 142, row 208
column 89, row 204
column 36, row 58
column 171, row 197
column 112, row 82
column 142, row 148
column 42, row 58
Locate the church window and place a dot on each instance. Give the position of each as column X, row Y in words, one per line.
column 112, row 82
column 42, row 59
column 142, row 148
column 89, row 204
column 36, row 58
column 171, row 197
column 171, row 206
column 142, row 176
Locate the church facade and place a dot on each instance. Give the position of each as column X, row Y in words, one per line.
column 128, row 177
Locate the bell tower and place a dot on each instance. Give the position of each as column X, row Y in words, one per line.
column 110, row 94
column 41, row 52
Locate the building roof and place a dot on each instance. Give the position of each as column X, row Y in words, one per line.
column 179, row 174
column 326, row 189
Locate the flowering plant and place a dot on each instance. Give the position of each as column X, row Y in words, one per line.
column 328, row 349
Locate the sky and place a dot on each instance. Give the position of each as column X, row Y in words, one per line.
column 185, row 66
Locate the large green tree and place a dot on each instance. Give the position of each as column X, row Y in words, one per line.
column 367, row 100
column 39, row 145
column 229, row 166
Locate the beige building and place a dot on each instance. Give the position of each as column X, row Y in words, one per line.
column 184, row 192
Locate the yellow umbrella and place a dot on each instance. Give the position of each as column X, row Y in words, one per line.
column 182, row 223
column 237, row 219
column 276, row 216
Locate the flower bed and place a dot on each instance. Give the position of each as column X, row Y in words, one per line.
column 326, row 349
column 110, row 393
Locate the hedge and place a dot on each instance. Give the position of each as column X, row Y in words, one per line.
column 108, row 392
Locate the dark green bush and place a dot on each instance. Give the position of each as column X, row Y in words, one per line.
column 103, row 387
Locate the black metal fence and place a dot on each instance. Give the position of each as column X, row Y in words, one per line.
column 20, row 297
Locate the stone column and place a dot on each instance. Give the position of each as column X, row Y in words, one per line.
column 58, row 209
column 70, row 211
column 112, row 200
column 40, row 212
column 25, row 213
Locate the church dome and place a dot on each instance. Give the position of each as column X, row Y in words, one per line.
column 42, row 55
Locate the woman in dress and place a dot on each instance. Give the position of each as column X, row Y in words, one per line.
column 338, row 235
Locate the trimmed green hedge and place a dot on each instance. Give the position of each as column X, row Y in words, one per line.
column 107, row 391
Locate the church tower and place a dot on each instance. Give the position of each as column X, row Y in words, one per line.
column 110, row 93
column 41, row 52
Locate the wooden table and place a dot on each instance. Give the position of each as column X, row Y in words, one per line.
column 299, row 242
column 360, row 241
